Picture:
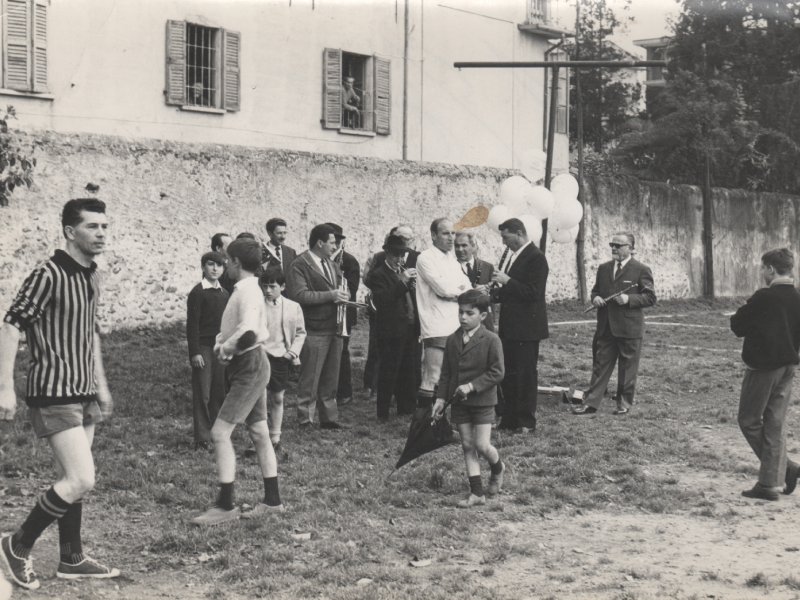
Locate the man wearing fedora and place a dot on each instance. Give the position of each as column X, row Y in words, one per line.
column 397, row 328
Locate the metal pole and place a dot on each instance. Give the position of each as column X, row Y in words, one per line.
column 405, row 80
column 551, row 134
column 580, row 242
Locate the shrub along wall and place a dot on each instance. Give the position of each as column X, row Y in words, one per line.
column 165, row 200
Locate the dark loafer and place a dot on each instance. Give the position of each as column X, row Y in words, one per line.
column 621, row 411
column 584, row 409
column 759, row 492
column 792, row 472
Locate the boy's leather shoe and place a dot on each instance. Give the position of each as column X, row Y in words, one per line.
column 473, row 500
column 761, row 492
column 584, row 409
column 792, row 472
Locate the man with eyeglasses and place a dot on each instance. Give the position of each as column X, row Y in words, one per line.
column 623, row 287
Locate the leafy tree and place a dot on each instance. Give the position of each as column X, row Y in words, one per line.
column 16, row 167
column 732, row 76
column 609, row 96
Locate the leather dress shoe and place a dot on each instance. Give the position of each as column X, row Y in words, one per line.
column 584, row 409
column 621, row 410
column 330, row 425
column 761, row 492
column 792, row 472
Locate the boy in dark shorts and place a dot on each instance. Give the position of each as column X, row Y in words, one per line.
column 240, row 345
column 67, row 394
column 205, row 305
column 471, row 371
column 287, row 332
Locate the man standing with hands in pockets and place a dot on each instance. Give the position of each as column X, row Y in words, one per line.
column 67, row 393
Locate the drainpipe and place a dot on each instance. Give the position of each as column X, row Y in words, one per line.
column 551, row 125
column 405, row 79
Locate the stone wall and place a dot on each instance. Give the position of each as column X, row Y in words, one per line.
column 165, row 200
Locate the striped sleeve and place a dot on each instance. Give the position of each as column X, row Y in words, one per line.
column 32, row 299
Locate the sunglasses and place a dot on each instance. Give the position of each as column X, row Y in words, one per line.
column 618, row 246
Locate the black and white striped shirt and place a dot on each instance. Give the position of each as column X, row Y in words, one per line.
column 56, row 308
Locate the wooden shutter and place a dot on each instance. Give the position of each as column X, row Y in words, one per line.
column 176, row 63
column 17, row 35
column 40, row 45
column 383, row 100
column 230, row 70
column 332, row 88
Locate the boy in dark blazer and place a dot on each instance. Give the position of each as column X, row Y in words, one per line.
column 471, row 370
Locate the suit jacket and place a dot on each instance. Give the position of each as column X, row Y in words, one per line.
column 352, row 274
column 480, row 363
column 624, row 321
column 389, row 296
column 293, row 325
column 268, row 259
column 482, row 275
column 308, row 287
column 523, row 311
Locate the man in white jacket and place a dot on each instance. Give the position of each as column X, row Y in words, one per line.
column 440, row 280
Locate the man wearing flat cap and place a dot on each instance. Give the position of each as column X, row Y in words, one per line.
column 351, row 271
column 397, row 328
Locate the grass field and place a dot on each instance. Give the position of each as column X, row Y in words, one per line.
column 641, row 506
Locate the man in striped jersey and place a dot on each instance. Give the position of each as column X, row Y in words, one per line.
column 67, row 393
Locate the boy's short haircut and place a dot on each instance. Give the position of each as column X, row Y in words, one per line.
column 781, row 259
column 245, row 235
column 320, row 233
column 248, row 252
column 71, row 213
column 272, row 275
column 212, row 257
column 474, row 298
column 216, row 240
column 275, row 222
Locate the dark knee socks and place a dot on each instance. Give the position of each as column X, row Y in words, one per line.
column 225, row 496
column 69, row 534
column 49, row 507
column 476, row 485
column 272, row 496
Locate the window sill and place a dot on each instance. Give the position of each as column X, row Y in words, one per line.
column 203, row 109
column 34, row 95
column 362, row 132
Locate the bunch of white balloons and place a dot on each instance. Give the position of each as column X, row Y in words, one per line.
column 532, row 204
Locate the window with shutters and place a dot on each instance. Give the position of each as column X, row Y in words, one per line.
column 356, row 90
column 562, row 96
column 202, row 67
column 25, row 45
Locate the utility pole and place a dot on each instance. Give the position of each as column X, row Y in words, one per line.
column 580, row 242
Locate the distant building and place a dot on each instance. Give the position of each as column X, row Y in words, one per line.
column 272, row 74
column 656, row 49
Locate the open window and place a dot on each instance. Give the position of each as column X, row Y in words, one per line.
column 356, row 90
column 202, row 67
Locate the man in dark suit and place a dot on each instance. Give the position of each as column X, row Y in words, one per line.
column 522, row 279
column 351, row 271
column 314, row 282
column 396, row 329
column 620, row 324
column 374, row 261
column 479, row 271
column 275, row 253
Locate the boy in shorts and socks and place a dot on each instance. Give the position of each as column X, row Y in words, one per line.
column 240, row 346
column 287, row 332
column 67, row 394
column 471, row 371
column 205, row 305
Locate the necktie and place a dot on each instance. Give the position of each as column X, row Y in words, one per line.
column 327, row 271
column 507, row 266
column 278, row 254
column 465, row 339
column 618, row 269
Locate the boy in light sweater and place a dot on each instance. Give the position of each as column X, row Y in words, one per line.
column 241, row 346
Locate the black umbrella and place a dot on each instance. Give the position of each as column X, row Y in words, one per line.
column 425, row 434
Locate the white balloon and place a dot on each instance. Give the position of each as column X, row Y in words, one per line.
column 533, row 227
column 497, row 214
column 563, row 236
column 512, row 194
column 564, row 186
column 540, row 202
column 567, row 214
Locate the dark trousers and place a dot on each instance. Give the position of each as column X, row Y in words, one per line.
column 371, row 367
column 398, row 373
column 208, row 393
column 345, row 389
column 607, row 351
column 521, row 384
